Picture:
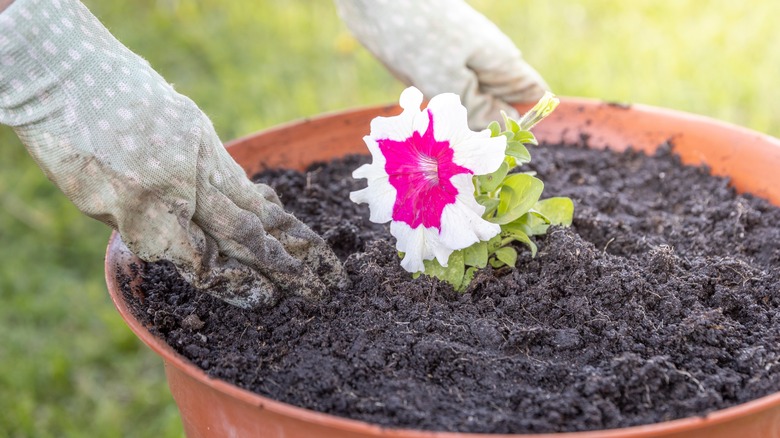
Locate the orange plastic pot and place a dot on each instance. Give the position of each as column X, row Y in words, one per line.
column 213, row 408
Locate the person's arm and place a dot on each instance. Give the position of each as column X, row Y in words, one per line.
column 446, row 46
column 130, row 151
column 4, row 4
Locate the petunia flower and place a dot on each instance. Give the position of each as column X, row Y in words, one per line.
column 421, row 178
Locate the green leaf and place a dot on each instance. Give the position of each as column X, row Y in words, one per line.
column 490, row 203
column 476, row 255
column 517, row 150
column 467, row 277
column 525, row 137
column 452, row 274
column 510, row 161
column 558, row 211
column 495, row 129
column 491, row 181
column 504, row 256
column 494, row 244
column 532, row 224
column 517, row 232
column 510, row 124
column 507, row 255
column 518, row 194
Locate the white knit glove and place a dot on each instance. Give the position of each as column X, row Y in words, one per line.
column 446, row 46
column 130, row 151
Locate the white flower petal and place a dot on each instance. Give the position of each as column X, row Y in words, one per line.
column 369, row 171
column 480, row 153
column 420, row 123
column 461, row 222
column 411, row 99
column 418, row 244
column 441, row 252
column 376, row 169
column 412, row 263
column 398, row 128
column 464, row 184
column 475, row 151
column 376, row 152
column 380, row 197
column 412, row 243
column 461, row 227
column 450, row 118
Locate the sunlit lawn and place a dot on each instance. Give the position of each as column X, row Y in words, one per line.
column 70, row 367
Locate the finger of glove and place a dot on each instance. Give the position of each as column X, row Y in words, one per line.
column 227, row 278
column 155, row 230
column 507, row 76
column 297, row 239
column 240, row 234
column 268, row 193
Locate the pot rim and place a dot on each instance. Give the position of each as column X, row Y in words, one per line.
column 119, row 257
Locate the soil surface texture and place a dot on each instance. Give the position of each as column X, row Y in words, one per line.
column 662, row 301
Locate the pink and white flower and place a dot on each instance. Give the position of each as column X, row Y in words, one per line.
column 421, row 178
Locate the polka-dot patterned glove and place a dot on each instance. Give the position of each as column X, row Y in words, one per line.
column 446, row 46
column 131, row 152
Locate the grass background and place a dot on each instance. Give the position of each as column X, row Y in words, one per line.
column 70, row 367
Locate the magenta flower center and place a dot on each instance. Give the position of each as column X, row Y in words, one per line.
column 420, row 169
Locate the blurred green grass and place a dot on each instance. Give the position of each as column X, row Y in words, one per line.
column 70, row 365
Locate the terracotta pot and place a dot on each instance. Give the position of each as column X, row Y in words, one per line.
column 213, row 408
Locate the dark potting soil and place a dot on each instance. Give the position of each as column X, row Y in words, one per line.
column 662, row 301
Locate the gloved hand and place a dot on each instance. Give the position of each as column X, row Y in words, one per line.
column 444, row 46
column 133, row 153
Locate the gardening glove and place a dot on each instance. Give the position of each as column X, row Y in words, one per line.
column 444, row 46
column 130, row 151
